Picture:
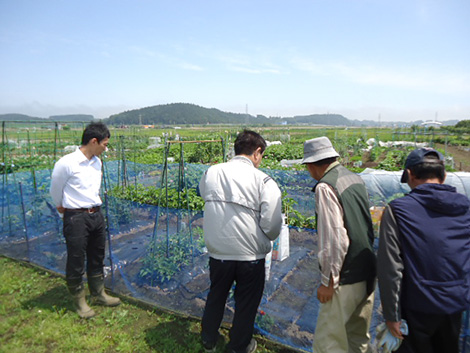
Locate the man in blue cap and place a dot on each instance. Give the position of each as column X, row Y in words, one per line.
column 424, row 258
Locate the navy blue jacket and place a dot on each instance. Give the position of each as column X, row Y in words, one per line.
column 434, row 224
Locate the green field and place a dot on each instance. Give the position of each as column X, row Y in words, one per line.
column 36, row 315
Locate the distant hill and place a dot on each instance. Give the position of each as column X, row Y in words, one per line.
column 62, row 118
column 319, row 119
column 72, row 117
column 181, row 113
column 184, row 113
column 19, row 117
column 450, row 122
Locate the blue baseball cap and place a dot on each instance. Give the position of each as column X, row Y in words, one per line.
column 417, row 157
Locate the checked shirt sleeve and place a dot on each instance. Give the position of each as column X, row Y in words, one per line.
column 333, row 241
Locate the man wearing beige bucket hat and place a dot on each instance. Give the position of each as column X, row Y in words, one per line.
column 345, row 255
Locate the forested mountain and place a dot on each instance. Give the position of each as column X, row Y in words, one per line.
column 184, row 113
column 181, row 113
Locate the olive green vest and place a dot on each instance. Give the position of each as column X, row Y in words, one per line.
column 359, row 264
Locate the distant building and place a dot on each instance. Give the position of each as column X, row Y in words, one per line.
column 431, row 123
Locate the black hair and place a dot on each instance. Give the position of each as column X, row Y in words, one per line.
column 325, row 161
column 96, row 130
column 432, row 167
column 248, row 142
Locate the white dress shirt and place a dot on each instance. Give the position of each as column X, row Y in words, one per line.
column 333, row 240
column 76, row 181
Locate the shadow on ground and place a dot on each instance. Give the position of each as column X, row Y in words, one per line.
column 173, row 336
column 56, row 299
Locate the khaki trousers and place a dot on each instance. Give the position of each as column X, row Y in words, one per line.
column 343, row 322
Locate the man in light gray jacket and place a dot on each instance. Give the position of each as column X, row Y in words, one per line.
column 242, row 215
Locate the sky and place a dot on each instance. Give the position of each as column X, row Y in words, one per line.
column 386, row 60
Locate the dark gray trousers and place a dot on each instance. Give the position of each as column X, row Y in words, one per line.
column 248, row 277
column 431, row 333
column 85, row 237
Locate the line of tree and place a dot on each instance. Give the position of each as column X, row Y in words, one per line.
column 185, row 113
column 462, row 126
column 62, row 118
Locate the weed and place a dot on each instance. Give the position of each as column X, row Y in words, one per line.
column 42, row 319
column 166, row 258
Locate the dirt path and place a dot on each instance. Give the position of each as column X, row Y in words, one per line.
column 461, row 156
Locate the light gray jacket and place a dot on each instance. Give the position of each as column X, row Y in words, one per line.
column 242, row 213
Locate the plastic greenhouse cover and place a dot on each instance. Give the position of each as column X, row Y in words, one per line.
column 157, row 254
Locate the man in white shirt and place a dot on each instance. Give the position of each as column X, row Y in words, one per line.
column 345, row 254
column 242, row 214
column 75, row 188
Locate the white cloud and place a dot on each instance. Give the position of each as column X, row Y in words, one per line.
column 251, row 65
column 167, row 59
column 310, row 66
column 143, row 51
column 191, row 67
column 425, row 79
column 409, row 78
column 253, row 70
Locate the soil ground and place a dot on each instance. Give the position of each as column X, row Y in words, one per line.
column 461, row 156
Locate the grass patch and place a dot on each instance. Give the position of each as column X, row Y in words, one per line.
column 37, row 315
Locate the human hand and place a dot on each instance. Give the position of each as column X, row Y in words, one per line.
column 394, row 328
column 324, row 294
column 60, row 209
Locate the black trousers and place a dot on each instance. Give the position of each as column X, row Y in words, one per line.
column 431, row 333
column 85, row 237
column 248, row 277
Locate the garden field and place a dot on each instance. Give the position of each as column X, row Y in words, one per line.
column 156, row 252
column 27, row 146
